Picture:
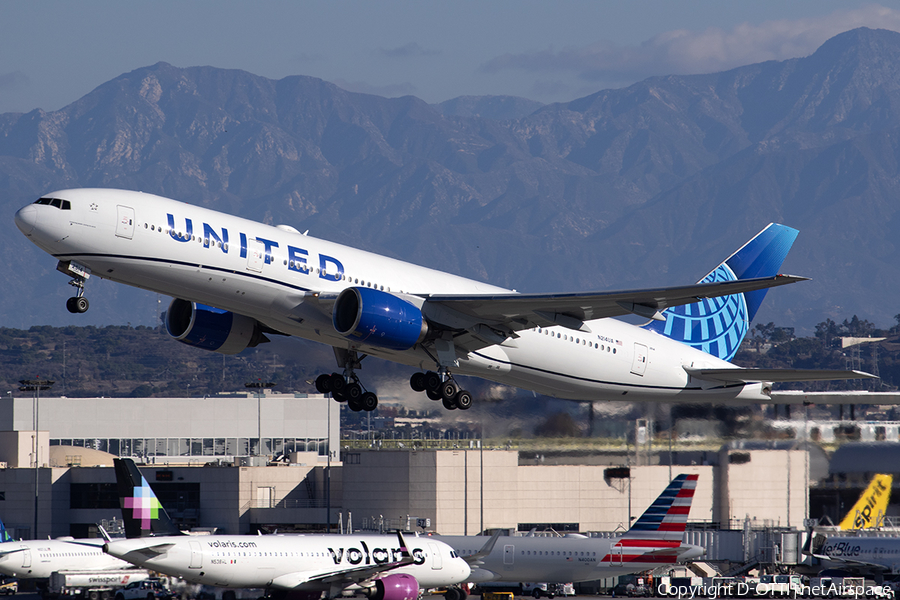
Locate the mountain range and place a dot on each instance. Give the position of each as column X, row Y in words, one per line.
column 649, row 185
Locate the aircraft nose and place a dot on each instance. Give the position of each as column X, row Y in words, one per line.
column 26, row 219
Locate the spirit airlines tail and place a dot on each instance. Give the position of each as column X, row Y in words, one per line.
column 381, row 566
column 653, row 541
column 869, row 510
column 236, row 281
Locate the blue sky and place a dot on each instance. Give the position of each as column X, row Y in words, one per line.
column 52, row 53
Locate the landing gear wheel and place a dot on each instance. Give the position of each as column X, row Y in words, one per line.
column 433, row 395
column 369, row 401
column 451, row 594
column 463, row 400
column 81, row 304
column 449, row 404
column 77, row 304
column 417, row 382
column 323, row 383
column 432, row 381
column 448, row 390
column 353, row 392
column 338, row 384
column 355, row 404
column 338, row 395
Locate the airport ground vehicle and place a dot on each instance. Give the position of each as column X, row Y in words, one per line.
column 93, row 585
column 151, row 589
column 9, row 586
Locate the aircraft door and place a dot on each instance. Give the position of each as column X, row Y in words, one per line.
column 615, row 555
column 639, row 365
column 26, row 557
column 196, row 555
column 256, row 255
column 436, row 560
column 509, row 556
column 125, row 222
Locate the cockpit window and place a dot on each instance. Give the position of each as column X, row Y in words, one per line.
column 60, row 204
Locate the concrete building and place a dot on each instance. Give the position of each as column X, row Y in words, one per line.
column 206, row 459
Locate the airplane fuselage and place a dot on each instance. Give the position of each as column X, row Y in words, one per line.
column 287, row 561
column 282, row 278
column 565, row 559
column 37, row 559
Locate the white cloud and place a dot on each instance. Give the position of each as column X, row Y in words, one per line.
column 686, row 52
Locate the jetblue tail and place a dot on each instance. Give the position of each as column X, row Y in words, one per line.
column 718, row 325
column 142, row 512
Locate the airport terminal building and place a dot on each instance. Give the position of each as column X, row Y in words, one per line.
column 202, row 456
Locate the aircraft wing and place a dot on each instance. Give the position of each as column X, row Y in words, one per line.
column 521, row 311
column 12, row 551
column 340, row 578
column 343, row 577
column 476, row 559
column 754, row 375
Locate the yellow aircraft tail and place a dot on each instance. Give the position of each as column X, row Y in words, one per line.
column 869, row 510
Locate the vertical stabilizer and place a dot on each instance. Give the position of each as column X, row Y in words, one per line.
column 664, row 522
column 4, row 534
column 868, row 512
column 141, row 510
column 718, row 325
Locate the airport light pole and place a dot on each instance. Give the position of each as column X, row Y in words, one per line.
column 259, row 385
column 35, row 386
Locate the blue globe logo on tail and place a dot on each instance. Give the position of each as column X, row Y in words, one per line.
column 714, row 325
column 717, row 326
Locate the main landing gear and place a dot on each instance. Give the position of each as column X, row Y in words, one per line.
column 346, row 387
column 441, row 386
column 78, row 303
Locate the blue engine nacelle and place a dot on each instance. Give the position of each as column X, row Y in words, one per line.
column 378, row 318
column 398, row 586
column 212, row 328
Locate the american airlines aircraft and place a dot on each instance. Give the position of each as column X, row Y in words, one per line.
column 234, row 281
column 381, row 566
column 655, row 539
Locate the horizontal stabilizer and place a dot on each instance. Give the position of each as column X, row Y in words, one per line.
column 839, row 397
column 756, row 375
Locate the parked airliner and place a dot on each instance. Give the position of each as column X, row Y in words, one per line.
column 37, row 559
column 655, row 540
column 383, row 567
column 234, row 281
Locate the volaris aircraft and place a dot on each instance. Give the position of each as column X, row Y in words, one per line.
column 381, row 566
column 235, row 281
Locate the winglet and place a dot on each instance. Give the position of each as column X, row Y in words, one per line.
column 405, row 555
column 103, row 533
column 485, row 550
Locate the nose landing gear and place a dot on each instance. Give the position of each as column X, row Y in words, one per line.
column 79, row 274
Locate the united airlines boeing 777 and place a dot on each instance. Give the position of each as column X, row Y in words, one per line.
column 234, row 281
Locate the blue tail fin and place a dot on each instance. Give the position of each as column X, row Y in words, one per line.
column 718, row 325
